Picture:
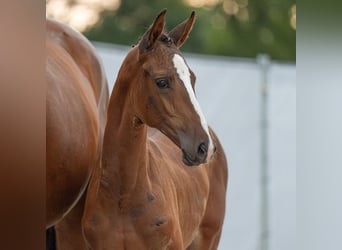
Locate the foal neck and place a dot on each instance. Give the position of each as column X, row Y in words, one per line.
column 124, row 150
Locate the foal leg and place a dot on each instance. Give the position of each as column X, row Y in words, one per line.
column 177, row 242
column 207, row 239
column 69, row 234
column 209, row 232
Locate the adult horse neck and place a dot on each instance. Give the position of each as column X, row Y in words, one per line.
column 149, row 192
column 77, row 99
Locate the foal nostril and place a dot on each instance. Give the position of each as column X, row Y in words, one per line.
column 202, row 150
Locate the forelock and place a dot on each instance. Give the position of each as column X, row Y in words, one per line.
column 166, row 39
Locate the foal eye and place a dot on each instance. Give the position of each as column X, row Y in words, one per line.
column 162, row 83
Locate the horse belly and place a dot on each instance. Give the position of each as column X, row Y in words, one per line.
column 72, row 135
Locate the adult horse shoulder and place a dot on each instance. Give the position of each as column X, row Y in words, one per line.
column 77, row 98
column 163, row 177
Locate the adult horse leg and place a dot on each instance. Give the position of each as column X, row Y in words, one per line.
column 69, row 234
column 51, row 238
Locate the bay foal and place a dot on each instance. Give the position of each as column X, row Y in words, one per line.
column 76, row 106
column 163, row 175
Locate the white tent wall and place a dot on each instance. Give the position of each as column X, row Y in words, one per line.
column 229, row 92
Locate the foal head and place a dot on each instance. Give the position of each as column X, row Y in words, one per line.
column 165, row 95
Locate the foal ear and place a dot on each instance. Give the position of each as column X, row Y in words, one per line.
column 180, row 33
column 153, row 33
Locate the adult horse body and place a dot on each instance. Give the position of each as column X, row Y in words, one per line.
column 76, row 104
column 161, row 184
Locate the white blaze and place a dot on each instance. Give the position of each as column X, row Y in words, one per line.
column 184, row 75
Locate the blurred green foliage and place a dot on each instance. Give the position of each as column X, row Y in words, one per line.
column 263, row 26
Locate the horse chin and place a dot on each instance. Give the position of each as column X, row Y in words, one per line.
column 174, row 137
column 188, row 161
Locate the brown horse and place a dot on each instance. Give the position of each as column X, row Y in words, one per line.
column 148, row 194
column 76, row 106
column 161, row 184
